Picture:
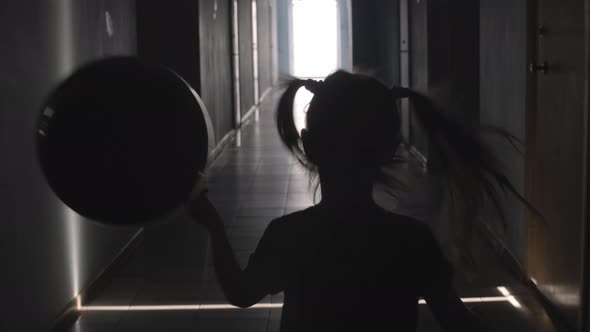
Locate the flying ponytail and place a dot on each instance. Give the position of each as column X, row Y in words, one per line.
column 463, row 158
column 458, row 155
column 286, row 123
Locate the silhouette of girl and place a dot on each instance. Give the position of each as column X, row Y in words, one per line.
column 346, row 264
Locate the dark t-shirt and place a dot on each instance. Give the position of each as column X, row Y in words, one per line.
column 348, row 272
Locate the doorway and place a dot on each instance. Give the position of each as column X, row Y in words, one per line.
column 556, row 151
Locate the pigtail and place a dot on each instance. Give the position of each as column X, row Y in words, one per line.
column 467, row 170
column 462, row 156
column 288, row 130
column 471, row 174
column 286, row 123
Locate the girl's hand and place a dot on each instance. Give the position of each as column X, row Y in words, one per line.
column 204, row 213
column 201, row 209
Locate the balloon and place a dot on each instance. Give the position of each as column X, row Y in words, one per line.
column 123, row 142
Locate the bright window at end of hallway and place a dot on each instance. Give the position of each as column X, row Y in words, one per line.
column 314, row 46
column 315, row 37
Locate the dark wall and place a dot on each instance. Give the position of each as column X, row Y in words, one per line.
column 419, row 54
column 274, row 35
column 49, row 253
column 194, row 39
column 216, row 63
column 168, row 35
column 444, row 47
column 464, row 61
column 438, row 37
column 375, row 35
column 246, row 56
column 93, row 36
column 503, row 94
column 472, row 57
column 453, row 56
column 264, row 45
column 283, row 13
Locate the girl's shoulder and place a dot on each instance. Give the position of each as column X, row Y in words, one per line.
column 295, row 219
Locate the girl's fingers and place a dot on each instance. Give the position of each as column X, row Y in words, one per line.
column 200, row 187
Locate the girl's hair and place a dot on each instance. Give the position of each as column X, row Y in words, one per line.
column 355, row 117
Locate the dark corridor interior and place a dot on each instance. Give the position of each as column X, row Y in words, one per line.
column 518, row 65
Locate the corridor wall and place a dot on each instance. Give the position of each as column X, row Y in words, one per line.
column 194, row 39
column 284, row 38
column 503, row 96
column 48, row 253
column 215, row 63
column 168, row 35
column 444, row 60
column 265, row 44
column 419, row 69
column 375, row 39
column 247, row 98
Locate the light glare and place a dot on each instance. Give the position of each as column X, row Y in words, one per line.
column 315, row 37
column 197, row 307
column 509, row 297
column 73, row 242
column 504, row 291
column 514, row 302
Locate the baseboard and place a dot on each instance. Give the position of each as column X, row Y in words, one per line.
column 71, row 312
column 248, row 114
column 265, row 94
column 220, row 146
column 417, row 155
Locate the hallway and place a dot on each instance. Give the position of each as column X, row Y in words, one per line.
column 521, row 66
column 167, row 283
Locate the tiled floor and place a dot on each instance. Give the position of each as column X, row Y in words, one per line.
column 250, row 185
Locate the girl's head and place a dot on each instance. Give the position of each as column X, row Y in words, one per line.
column 351, row 122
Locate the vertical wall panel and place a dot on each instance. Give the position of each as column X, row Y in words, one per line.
column 284, row 37
column 246, row 56
column 168, row 35
column 264, row 45
column 464, row 49
column 503, row 94
column 418, row 64
column 274, row 24
column 345, row 34
column 375, row 34
column 216, row 64
column 445, row 58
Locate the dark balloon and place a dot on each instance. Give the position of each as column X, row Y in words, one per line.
column 122, row 142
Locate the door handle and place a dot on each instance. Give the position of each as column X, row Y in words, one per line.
column 542, row 68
